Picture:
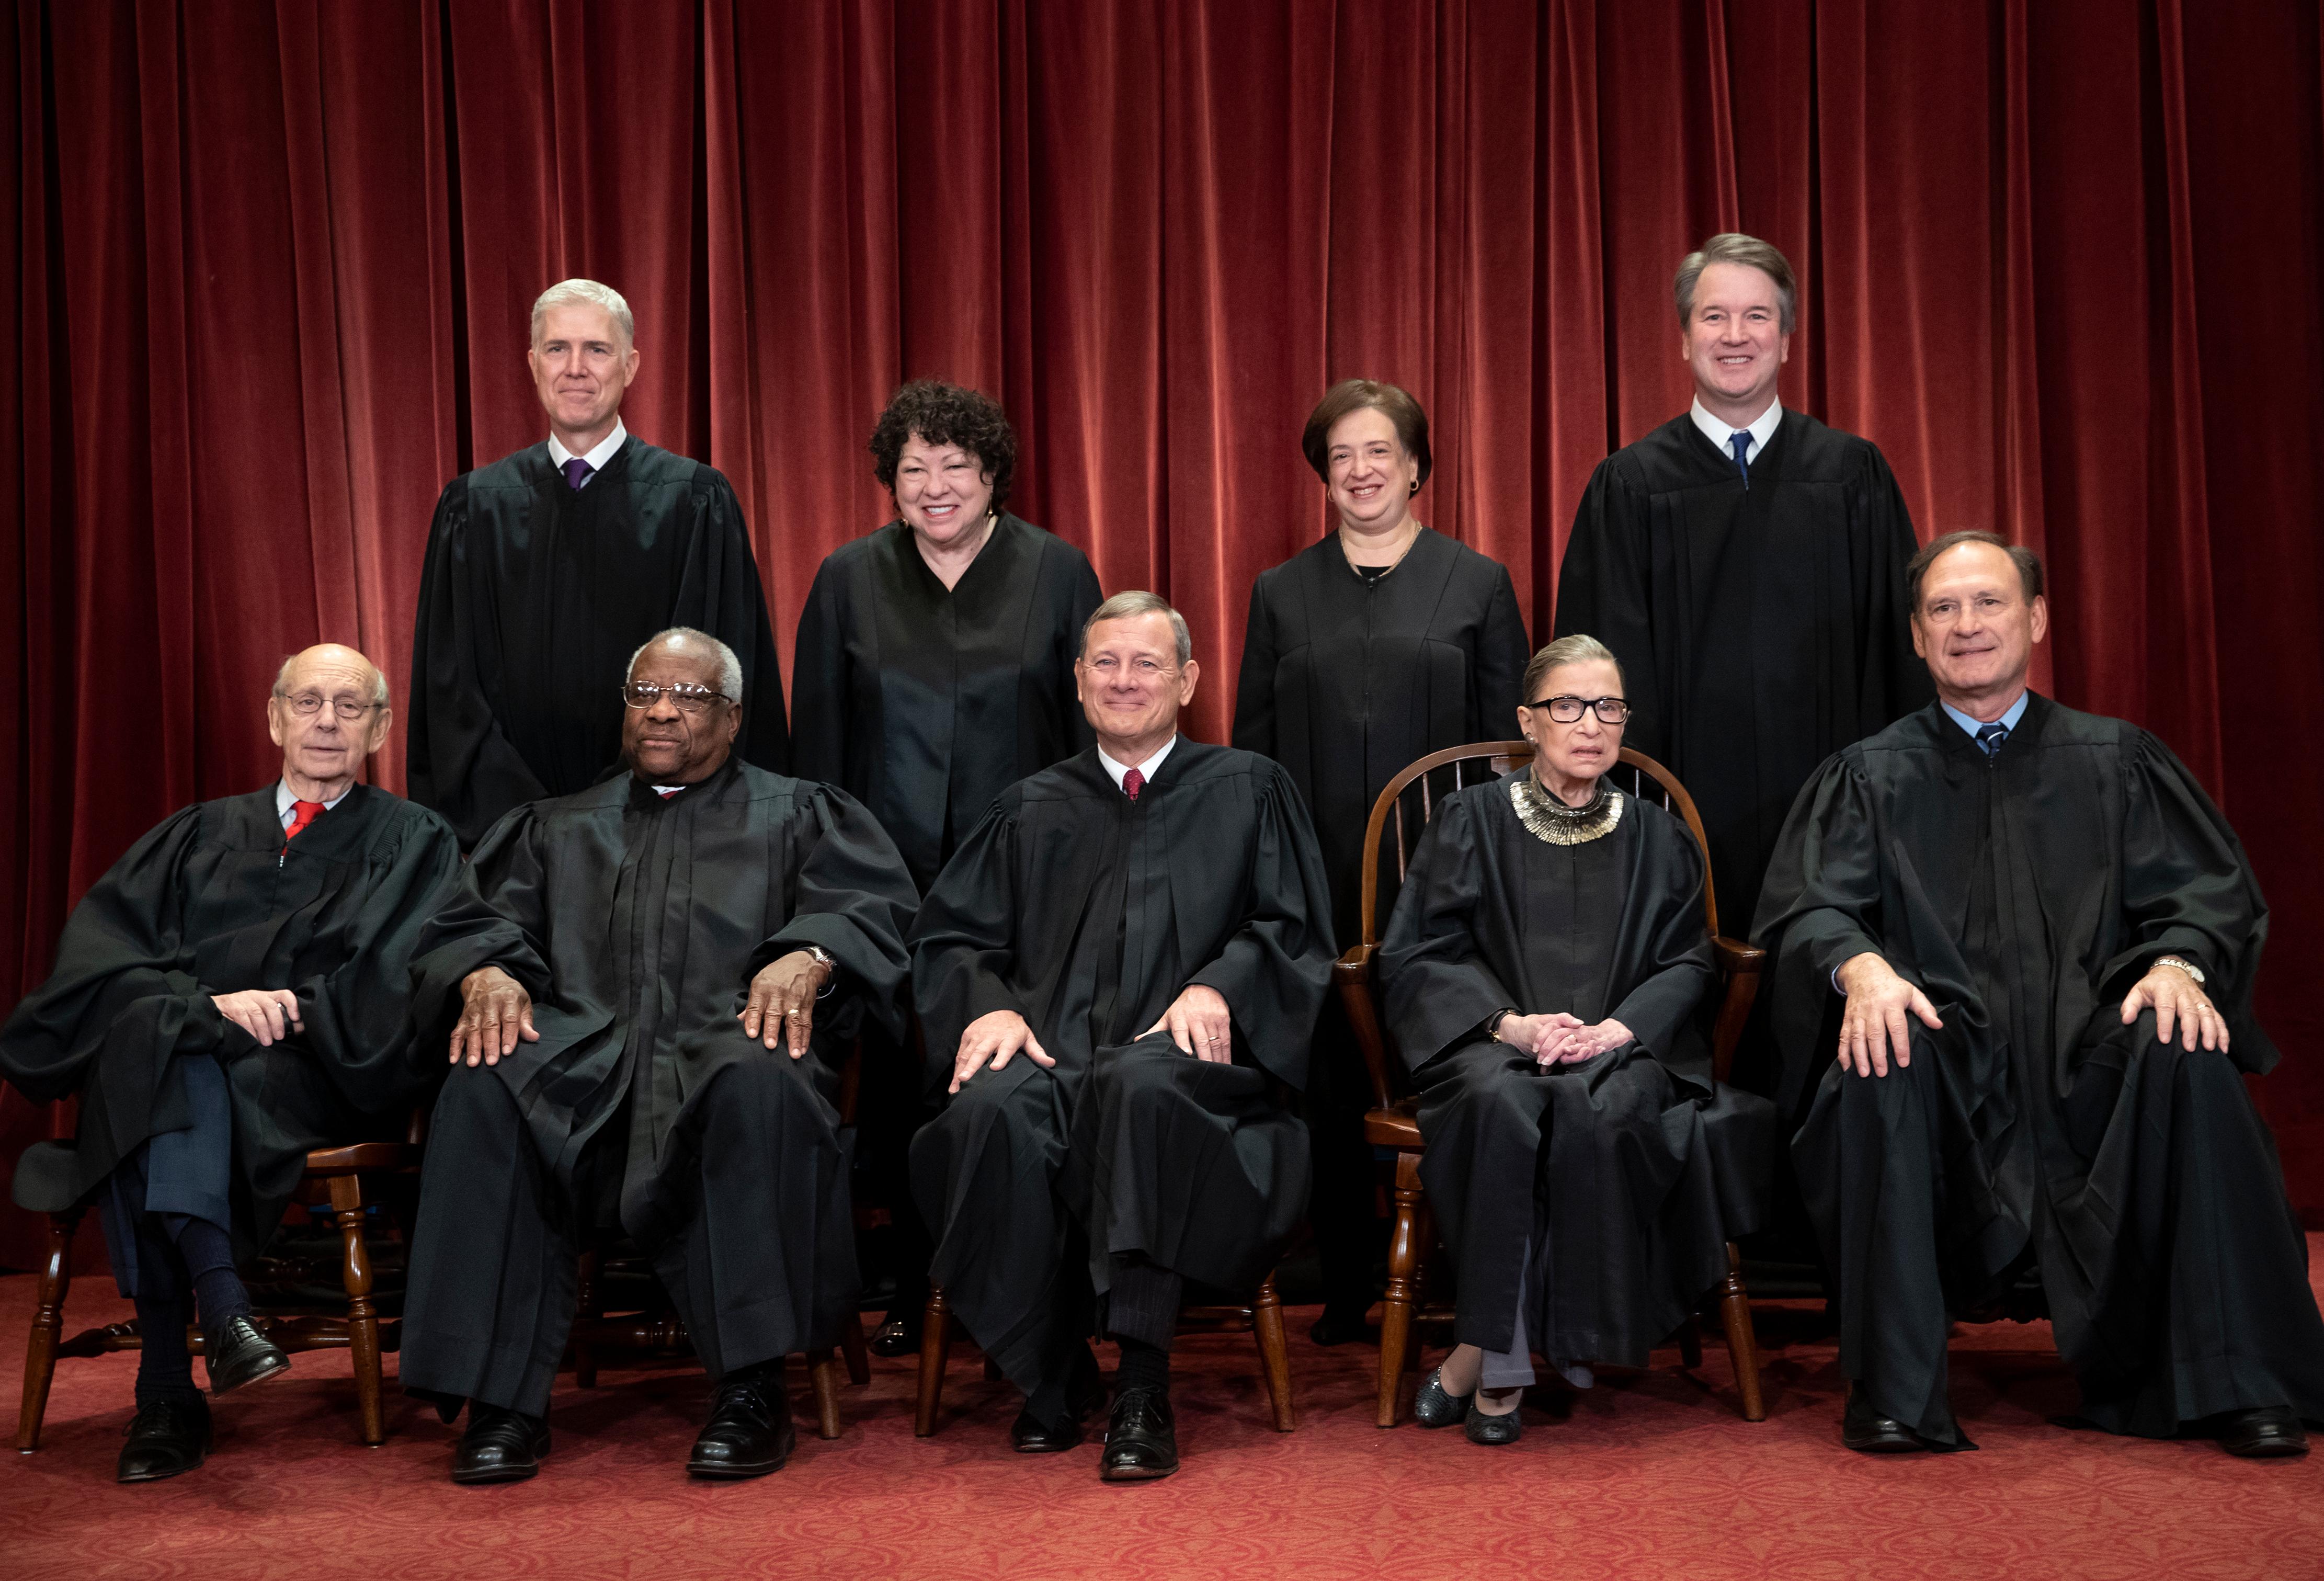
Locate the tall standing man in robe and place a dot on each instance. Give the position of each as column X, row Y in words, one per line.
column 1746, row 566
column 547, row 569
column 1118, row 960
column 230, row 995
column 2045, row 937
column 649, row 988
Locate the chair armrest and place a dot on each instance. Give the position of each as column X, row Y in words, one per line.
column 1739, row 966
column 1734, row 956
column 1352, row 973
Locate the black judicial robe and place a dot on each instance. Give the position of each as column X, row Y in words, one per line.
column 531, row 601
column 925, row 703
column 1760, row 629
column 1087, row 914
column 1630, row 1172
column 1346, row 679
column 212, row 901
column 636, row 924
column 2026, row 895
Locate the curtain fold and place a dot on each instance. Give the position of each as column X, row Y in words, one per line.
column 273, row 262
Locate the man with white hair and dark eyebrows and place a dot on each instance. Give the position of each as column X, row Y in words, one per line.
column 229, row 995
column 649, row 990
column 547, row 567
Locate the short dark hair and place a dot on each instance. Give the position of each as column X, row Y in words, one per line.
column 1349, row 395
column 1735, row 248
column 947, row 414
column 2028, row 563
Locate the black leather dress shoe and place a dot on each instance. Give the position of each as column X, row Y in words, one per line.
column 749, row 1433
column 501, row 1445
column 897, row 1337
column 169, row 1436
column 2263, row 1434
column 239, row 1352
column 1030, row 1435
column 1141, row 1440
column 1434, row 1407
column 1864, row 1429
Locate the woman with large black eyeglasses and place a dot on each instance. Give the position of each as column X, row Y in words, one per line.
column 1543, row 970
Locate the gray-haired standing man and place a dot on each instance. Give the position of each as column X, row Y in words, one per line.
column 547, row 567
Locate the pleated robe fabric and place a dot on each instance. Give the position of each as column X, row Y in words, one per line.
column 636, row 923
column 533, row 598
column 1760, row 629
column 1088, row 913
column 2026, row 895
column 213, row 900
column 1626, row 1174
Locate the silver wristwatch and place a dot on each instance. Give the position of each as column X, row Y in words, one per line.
column 2184, row 965
column 823, row 957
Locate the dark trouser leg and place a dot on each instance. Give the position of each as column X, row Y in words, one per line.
column 1142, row 1311
column 1348, row 1236
column 890, row 1111
column 1481, row 1112
column 748, row 1222
column 489, row 1304
column 1869, row 1158
column 985, row 1173
column 185, row 1187
column 143, row 1253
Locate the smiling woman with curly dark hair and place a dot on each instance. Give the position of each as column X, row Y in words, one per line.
column 935, row 669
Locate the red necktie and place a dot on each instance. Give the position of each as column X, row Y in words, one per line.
column 1132, row 783
column 666, row 795
column 302, row 813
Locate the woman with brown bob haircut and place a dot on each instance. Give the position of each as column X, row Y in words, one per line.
column 1378, row 644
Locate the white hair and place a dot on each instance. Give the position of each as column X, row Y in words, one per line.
column 378, row 679
column 1130, row 606
column 578, row 293
column 729, row 668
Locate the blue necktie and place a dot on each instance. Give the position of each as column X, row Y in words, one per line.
column 576, row 473
column 1991, row 736
column 1739, row 441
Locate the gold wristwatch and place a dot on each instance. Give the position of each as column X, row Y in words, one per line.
column 2184, row 965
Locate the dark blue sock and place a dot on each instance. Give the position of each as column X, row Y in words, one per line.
column 208, row 1253
column 165, row 1367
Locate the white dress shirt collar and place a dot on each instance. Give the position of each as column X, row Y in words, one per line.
column 1121, row 771
column 2009, row 720
column 283, row 799
column 598, row 458
column 1717, row 432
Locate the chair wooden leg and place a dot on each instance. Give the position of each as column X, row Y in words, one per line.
column 1274, row 1353
column 851, row 1345
column 1397, row 1311
column 362, row 1318
column 48, row 1329
column 822, row 1373
column 588, row 1306
column 1742, row 1343
column 1689, row 1343
column 935, row 1349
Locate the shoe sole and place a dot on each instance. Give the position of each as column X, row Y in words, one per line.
column 2278, row 1451
column 499, row 1474
column 726, row 1472
column 1885, row 1446
column 1134, row 1474
column 219, row 1390
column 147, row 1477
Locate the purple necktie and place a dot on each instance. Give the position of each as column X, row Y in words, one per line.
column 576, row 473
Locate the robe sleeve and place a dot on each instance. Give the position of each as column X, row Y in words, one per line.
column 123, row 943
column 1438, row 988
column 1498, row 665
column 820, row 683
column 853, row 896
column 462, row 764
column 1602, row 592
column 1896, row 680
column 496, row 915
column 1275, row 969
column 356, row 1015
column 1254, row 709
column 2187, row 890
column 1819, row 906
column 964, row 943
column 1663, row 1005
column 732, row 605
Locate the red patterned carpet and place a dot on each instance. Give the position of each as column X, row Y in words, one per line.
column 1652, row 1478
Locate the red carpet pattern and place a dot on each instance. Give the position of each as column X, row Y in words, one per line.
column 1643, row 1478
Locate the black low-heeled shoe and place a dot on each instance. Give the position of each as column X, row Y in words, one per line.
column 1479, row 1428
column 1867, row 1432
column 500, row 1446
column 896, row 1337
column 2266, row 1434
column 239, row 1354
column 166, row 1438
column 1434, row 1407
column 749, row 1433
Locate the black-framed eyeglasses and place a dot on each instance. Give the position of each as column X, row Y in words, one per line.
column 690, row 699
column 307, row 705
column 1566, row 710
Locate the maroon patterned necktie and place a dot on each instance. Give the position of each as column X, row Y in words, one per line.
column 1132, row 783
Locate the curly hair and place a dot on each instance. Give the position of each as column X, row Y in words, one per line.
column 946, row 414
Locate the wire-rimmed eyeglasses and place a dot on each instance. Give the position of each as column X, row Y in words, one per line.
column 690, row 699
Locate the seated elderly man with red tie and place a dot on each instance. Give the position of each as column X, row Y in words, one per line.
column 1148, row 923
column 230, row 995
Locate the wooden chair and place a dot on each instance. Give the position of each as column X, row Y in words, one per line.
column 1393, row 1121
column 335, row 1173
column 1261, row 1318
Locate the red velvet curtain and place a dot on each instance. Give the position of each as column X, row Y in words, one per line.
column 272, row 264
